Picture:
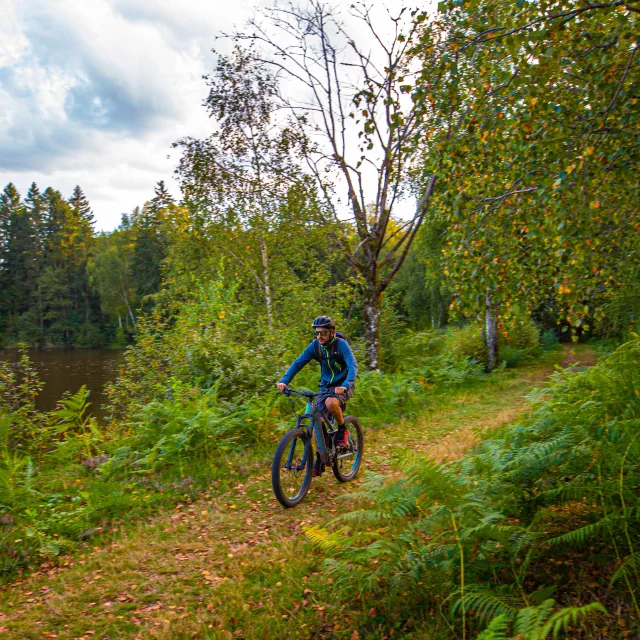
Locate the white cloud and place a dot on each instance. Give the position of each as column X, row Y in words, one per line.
column 95, row 92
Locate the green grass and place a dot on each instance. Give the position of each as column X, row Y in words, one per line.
column 230, row 562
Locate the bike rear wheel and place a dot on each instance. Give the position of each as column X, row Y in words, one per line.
column 292, row 468
column 349, row 458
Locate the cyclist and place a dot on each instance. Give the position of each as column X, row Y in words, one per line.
column 338, row 374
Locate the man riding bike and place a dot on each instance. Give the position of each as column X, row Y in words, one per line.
column 338, row 374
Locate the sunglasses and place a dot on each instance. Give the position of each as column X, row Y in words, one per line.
column 322, row 332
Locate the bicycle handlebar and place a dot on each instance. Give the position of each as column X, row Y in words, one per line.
column 307, row 394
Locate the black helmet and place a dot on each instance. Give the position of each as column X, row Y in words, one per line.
column 323, row 321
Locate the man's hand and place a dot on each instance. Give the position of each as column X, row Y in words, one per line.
column 339, row 391
column 281, row 386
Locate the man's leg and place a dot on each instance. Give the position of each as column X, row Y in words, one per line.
column 333, row 404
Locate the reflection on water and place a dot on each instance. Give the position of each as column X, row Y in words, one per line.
column 68, row 369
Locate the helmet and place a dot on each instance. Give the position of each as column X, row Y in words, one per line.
column 323, row 321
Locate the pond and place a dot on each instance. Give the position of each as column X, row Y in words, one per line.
column 68, row 369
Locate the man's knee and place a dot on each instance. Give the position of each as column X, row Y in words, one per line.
column 332, row 403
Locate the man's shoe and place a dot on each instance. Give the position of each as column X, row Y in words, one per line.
column 318, row 468
column 342, row 438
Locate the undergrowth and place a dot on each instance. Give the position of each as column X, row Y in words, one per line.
column 532, row 534
column 65, row 479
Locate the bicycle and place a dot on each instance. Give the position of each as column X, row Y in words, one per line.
column 292, row 468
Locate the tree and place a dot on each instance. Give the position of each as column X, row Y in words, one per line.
column 244, row 174
column 19, row 265
column 81, row 206
column 162, row 198
column 68, row 241
column 351, row 102
column 535, row 126
column 36, row 206
column 111, row 272
column 150, row 244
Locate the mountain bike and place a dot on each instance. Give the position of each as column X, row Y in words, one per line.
column 292, row 468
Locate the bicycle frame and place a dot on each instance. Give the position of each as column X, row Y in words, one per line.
column 291, row 471
column 315, row 427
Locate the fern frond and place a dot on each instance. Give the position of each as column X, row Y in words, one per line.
column 560, row 620
column 497, row 630
column 580, row 537
column 529, row 620
column 364, row 516
column 487, row 603
column 323, row 538
column 629, row 568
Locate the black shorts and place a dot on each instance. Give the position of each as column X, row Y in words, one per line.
column 342, row 399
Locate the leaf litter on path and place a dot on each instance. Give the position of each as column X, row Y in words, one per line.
column 230, row 564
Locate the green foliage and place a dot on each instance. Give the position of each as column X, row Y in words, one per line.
column 468, row 341
column 538, row 623
column 483, row 534
column 517, row 342
column 532, row 129
column 19, row 386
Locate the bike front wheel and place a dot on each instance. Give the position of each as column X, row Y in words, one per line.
column 292, row 468
column 349, row 458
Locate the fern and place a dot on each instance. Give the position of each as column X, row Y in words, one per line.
column 537, row 623
column 498, row 629
column 487, row 603
column 630, row 568
column 560, row 620
column 324, row 539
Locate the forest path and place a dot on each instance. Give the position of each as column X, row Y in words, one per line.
column 237, row 564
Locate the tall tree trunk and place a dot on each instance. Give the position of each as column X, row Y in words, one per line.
column 125, row 297
column 265, row 280
column 491, row 333
column 371, row 311
column 41, row 311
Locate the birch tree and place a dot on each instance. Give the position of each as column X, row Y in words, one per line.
column 241, row 174
column 535, row 128
column 351, row 98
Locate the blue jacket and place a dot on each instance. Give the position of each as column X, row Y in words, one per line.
column 337, row 363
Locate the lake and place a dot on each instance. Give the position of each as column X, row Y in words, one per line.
column 68, row 369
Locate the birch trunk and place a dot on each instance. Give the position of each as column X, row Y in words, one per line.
column 491, row 331
column 265, row 280
column 125, row 297
column 371, row 311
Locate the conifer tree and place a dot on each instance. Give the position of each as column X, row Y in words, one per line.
column 150, row 246
column 36, row 208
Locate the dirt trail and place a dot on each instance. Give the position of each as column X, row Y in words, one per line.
column 238, row 565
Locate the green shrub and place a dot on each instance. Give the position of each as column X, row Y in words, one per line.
column 414, row 347
column 521, row 333
column 549, row 340
column 468, row 342
column 521, row 517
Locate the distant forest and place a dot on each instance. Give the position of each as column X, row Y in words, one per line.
column 63, row 284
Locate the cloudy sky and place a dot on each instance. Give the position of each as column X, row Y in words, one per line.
column 93, row 92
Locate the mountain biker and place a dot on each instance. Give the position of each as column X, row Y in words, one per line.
column 337, row 379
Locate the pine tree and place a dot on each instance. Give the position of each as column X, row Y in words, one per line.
column 80, row 206
column 35, row 204
column 163, row 199
column 150, row 248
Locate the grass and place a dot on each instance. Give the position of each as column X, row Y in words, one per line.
column 231, row 562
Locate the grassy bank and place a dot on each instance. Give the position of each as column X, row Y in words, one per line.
column 228, row 562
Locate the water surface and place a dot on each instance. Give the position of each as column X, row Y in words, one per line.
column 68, row 369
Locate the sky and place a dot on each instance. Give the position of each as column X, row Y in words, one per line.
column 94, row 92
